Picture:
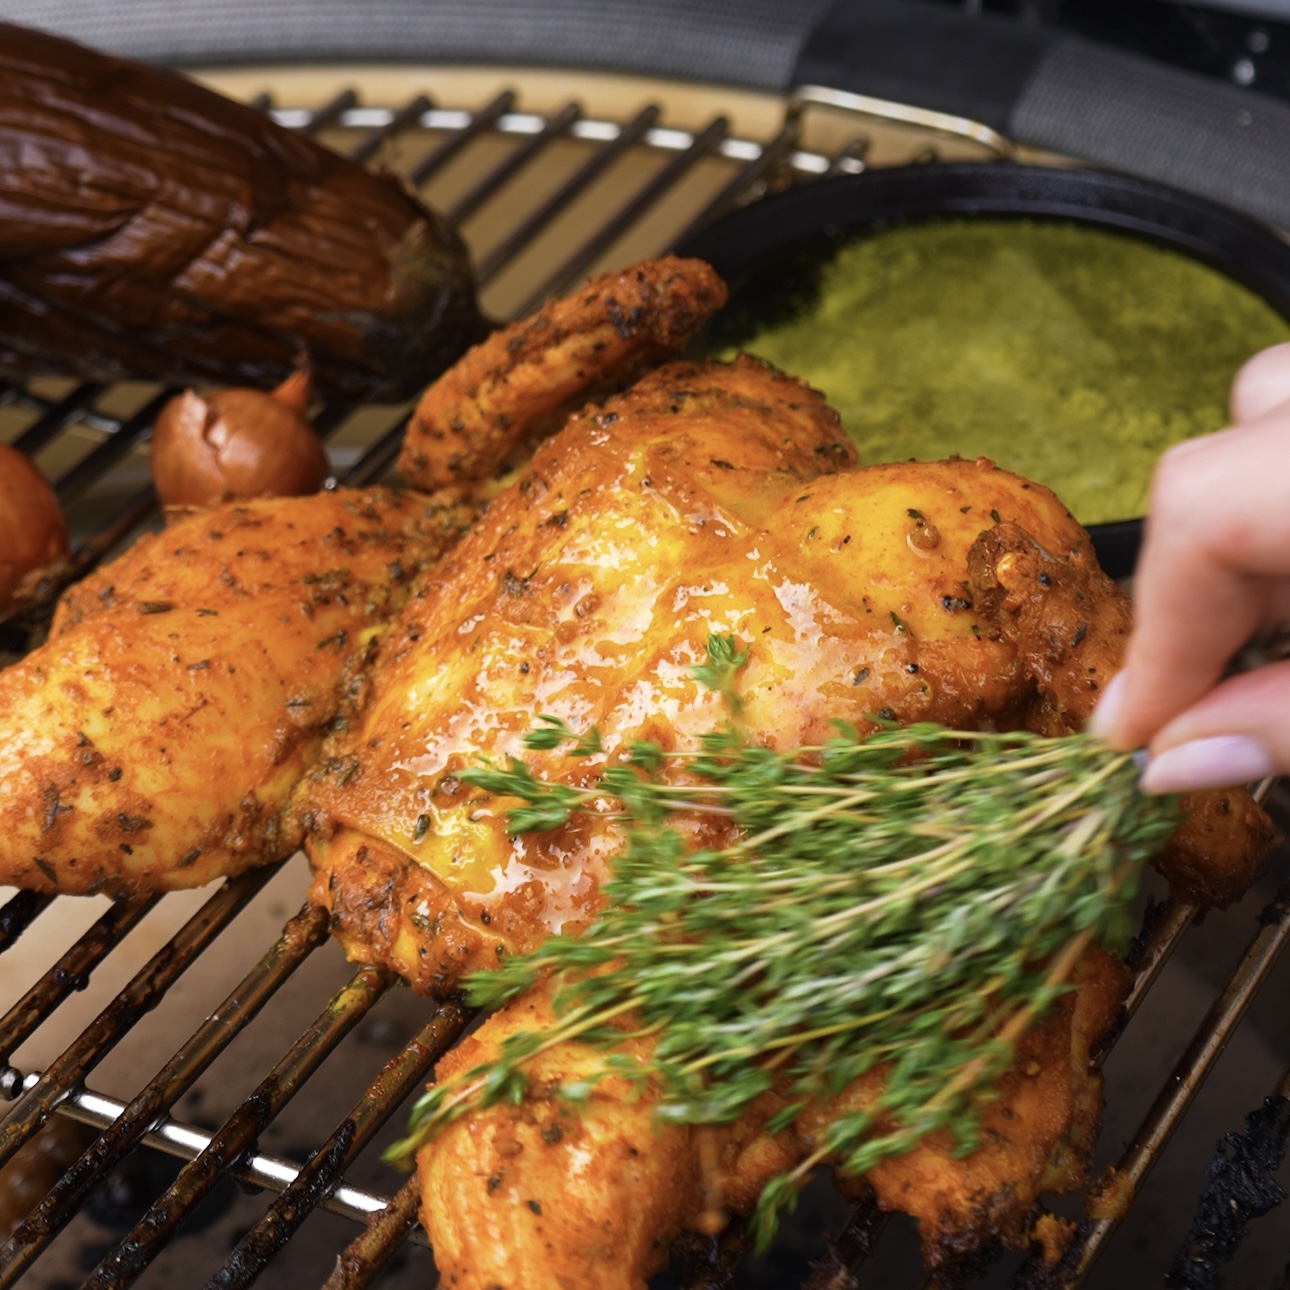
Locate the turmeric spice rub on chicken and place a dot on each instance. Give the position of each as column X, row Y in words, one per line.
column 154, row 740
column 707, row 499
column 546, row 1194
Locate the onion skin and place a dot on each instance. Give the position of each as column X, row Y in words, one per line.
column 33, row 534
column 237, row 443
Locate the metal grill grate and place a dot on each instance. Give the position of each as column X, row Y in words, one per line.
column 544, row 199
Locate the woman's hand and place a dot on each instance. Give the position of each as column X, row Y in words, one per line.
column 1215, row 568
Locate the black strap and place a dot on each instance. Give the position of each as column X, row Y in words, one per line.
column 925, row 54
column 1203, row 136
column 1043, row 87
column 751, row 43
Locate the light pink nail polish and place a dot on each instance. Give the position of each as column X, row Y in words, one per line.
column 1108, row 707
column 1221, row 761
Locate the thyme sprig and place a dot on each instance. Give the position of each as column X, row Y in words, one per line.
column 913, row 899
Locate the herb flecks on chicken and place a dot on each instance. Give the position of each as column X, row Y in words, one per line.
column 707, row 500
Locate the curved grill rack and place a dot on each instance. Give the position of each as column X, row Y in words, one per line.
column 544, row 200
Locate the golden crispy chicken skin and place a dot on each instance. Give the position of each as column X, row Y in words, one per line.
column 535, row 1196
column 520, row 383
column 707, row 499
column 154, row 740
column 1038, row 1129
column 546, row 1194
column 1219, row 849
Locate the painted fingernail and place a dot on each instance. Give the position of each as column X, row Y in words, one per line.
column 1108, row 707
column 1221, row 761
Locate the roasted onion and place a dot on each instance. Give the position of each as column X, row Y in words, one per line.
column 237, row 443
column 33, row 534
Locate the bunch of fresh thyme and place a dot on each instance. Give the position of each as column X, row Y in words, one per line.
column 914, row 899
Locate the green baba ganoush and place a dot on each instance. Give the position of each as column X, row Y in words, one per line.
column 1070, row 354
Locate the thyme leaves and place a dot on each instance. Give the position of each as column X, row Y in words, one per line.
column 912, row 901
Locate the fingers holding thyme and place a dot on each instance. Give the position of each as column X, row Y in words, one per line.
column 1214, row 572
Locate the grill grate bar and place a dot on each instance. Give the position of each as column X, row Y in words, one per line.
column 238, row 1135
column 330, row 113
column 850, row 159
column 460, row 139
column 510, row 166
column 378, row 458
column 369, row 1252
column 131, row 515
column 595, row 165
column 595, row 246
column 103, row 1034
column 318, row 1177
column 1194, row 1065
column 1153, row 947
column 56, row 417
column 408, row 116
column 100, row 460
column 186, row 1141
column 746, row 183
column 129, row 1125
column 68, row 975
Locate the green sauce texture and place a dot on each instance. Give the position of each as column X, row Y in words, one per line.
column 1069, row 354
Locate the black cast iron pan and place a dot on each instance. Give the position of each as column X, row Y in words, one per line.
column 762, row 242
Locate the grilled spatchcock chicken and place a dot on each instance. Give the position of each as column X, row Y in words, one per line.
column 154, row 741
column 708, row 498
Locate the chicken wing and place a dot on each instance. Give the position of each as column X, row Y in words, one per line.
column 520, row 383
column 153, row 741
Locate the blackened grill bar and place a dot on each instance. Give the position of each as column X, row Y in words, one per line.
column 82, row 412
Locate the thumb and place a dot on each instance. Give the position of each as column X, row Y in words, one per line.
column 1239, row 732
column 1262, row 385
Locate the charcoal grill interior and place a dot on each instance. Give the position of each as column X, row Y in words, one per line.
column 221, row 1027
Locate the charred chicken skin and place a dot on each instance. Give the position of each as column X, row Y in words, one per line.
column 154, row 740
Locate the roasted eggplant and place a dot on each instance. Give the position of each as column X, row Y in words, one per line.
column 150, row 227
